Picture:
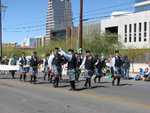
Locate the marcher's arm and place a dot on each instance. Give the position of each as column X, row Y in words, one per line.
column 50, row 60
column 83, row 63
column 67, row 56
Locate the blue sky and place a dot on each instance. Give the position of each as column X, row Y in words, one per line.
column 26, row 18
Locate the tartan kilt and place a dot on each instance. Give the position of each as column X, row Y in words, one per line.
column 23, row 69
column 33, row 71
column 88, row 73
column 117, row 72
column 98, row 73
column 56, row 71
column 72, row 74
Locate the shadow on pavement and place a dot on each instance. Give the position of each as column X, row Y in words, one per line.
column 104, row 82
column 93, row 87
column 126, row 84
column 63, row 86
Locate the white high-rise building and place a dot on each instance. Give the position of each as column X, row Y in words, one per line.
column 58, row 18
column 133, row 29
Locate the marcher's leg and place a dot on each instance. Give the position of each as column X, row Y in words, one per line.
column 95, row 79
column 112, row 71
column 45, row 76
column 99, row 79
column 35, row 78
column 24, row 77
column 122, row 72
column 113, row 81
column 127, row 73
column 89, row 81
column 21, row 76
column 48, row 76
column 31, row 79
column 57, row 81
column 118, row 81
column 54, row 82
column 73, row 85
column 13, row 74
column 86, row 81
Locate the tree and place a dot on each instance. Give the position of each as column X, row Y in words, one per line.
column 105, row 44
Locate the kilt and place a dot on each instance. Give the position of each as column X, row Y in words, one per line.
column 23, row 69
column 88, row 73
column 72, row 74
column 117, row 72
column 56, row 71
column 33, row 71
column 98, row 73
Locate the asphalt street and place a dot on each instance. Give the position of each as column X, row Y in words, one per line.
column 23, row 97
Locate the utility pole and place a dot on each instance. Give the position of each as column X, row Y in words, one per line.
column 81, row 25
column 1, row 45
column 2, row 7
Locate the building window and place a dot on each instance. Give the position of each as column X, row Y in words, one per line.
column 134, row 37
column 145, row 26
column 130, row 32
column 135, row 27
column 130, row 28
column 140, row 29
column 125, row 39
column 140, row 37
column 145, row 31
column 125, row 31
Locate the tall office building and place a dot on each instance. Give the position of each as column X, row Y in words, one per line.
column 59, row 17
column 142, row 5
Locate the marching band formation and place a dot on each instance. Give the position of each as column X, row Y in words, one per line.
column 77, row 65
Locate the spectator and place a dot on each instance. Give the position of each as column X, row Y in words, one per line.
column 5, row 60
column 117, row 69
column 34, row 67
column 23, row 68
column 126, row 66
column 140, row 75
column 46, row 68
column 147, row 74
column 13, row 61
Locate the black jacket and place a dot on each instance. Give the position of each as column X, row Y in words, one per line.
column 72, row 63
column 89, row 64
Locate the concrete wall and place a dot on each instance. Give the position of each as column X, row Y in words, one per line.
column 133, row 18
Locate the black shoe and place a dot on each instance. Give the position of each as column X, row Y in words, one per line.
column 85, row 87
column 90, row 87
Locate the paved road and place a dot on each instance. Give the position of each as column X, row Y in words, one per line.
column 20, row 97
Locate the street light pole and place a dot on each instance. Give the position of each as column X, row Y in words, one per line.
column 81, row 25
column 1, row 46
